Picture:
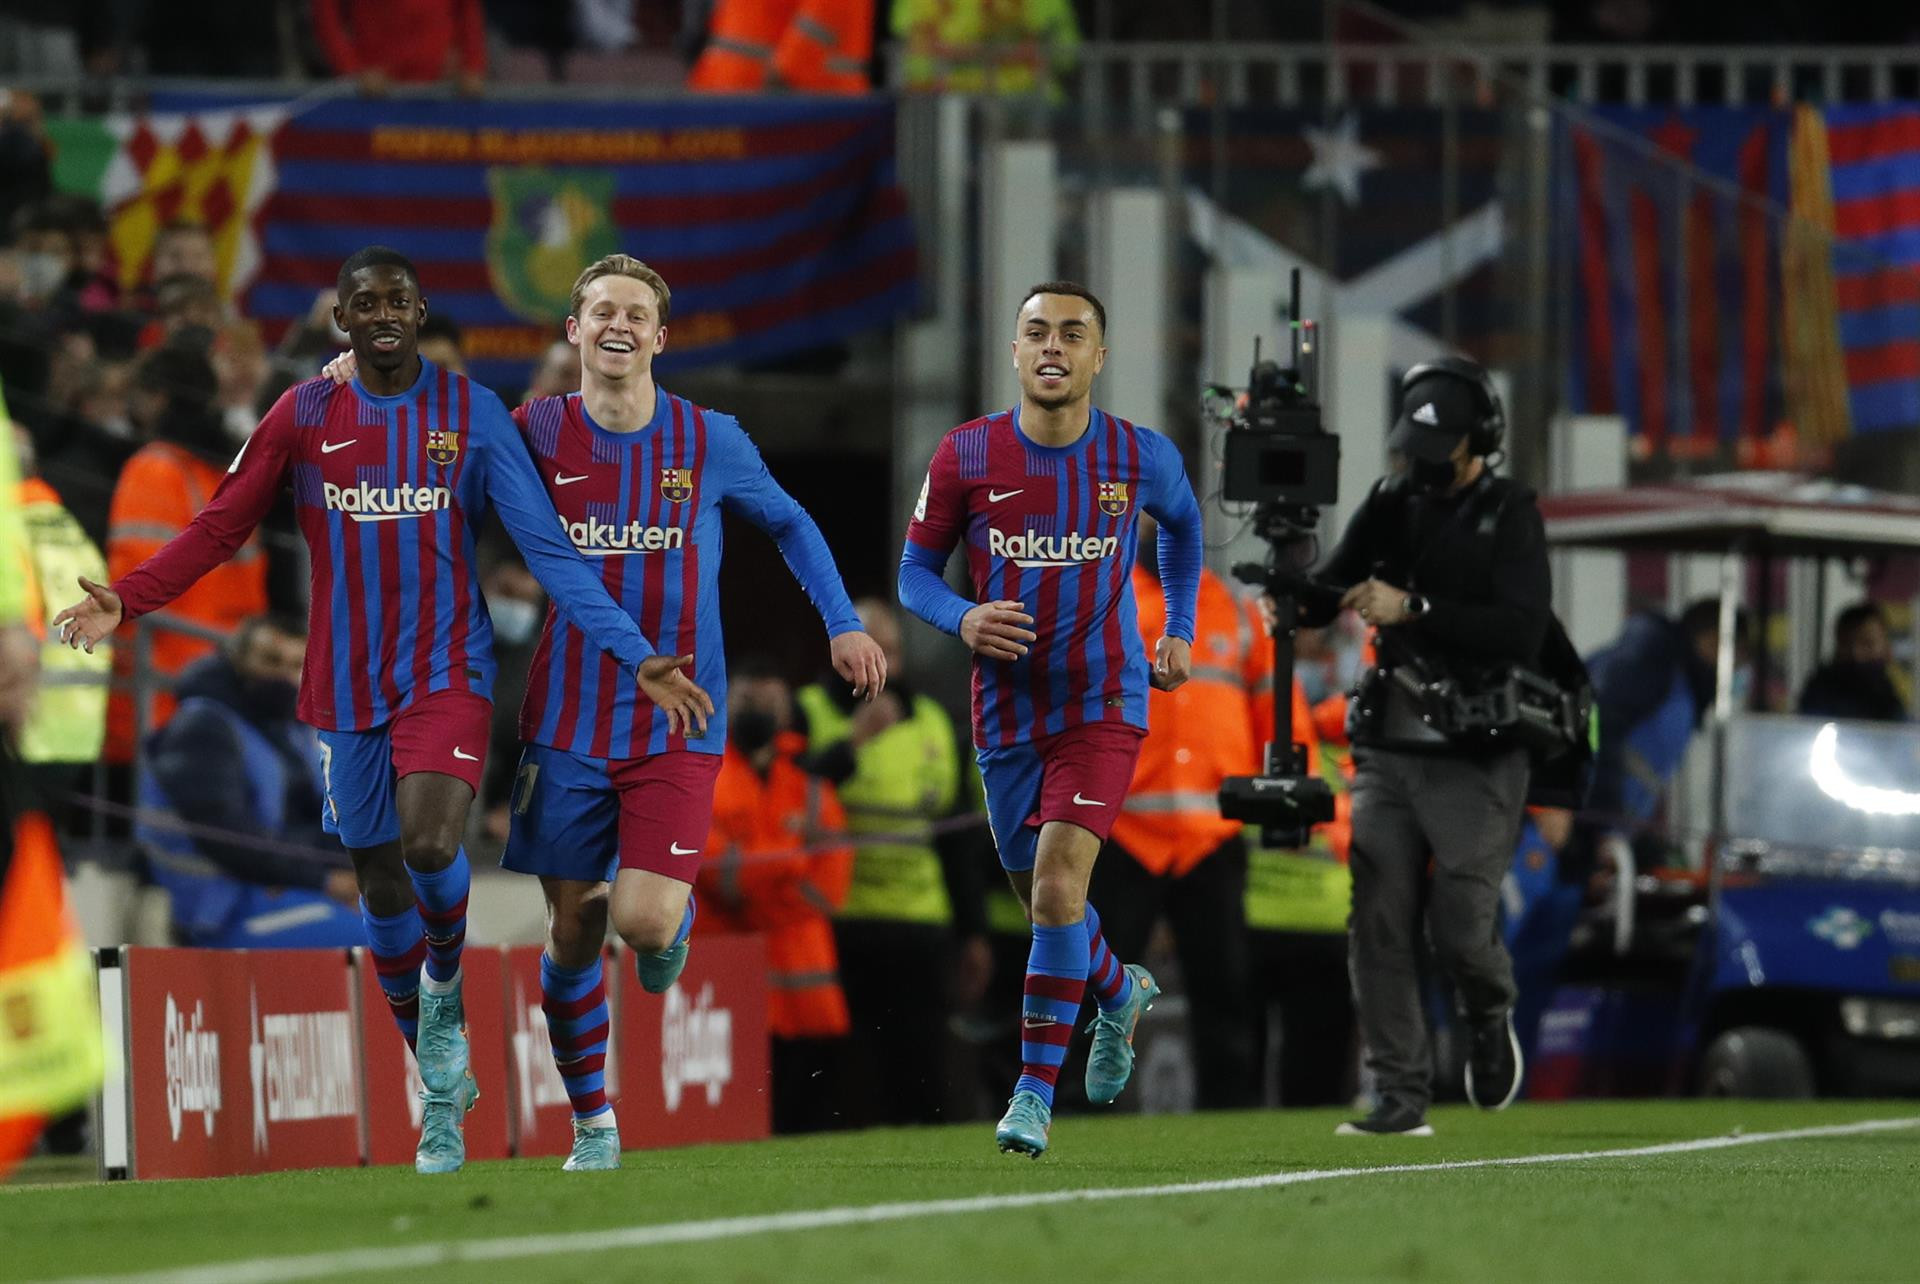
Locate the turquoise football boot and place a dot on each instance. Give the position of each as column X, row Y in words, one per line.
column 659, row 971
column 1023, row 1129
column 595, row 1149
column 443, row 1141
column 1110, row 1063
column 441, row 1046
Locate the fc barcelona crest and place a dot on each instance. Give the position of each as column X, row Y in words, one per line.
column 1113, row 498
column 676, row 484
column 443, row 445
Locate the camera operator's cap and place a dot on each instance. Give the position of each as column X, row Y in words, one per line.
column 1435, row 414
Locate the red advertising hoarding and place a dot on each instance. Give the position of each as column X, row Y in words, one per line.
column 693, row 1062
column 393, row 1080
column 239, row 1061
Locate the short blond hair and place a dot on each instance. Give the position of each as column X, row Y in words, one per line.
column 623, row 265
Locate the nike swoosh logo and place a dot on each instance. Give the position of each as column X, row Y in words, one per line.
column 467, row 757
column 1087, row 802
column 677, row 850
column 1032, row 1024
column 561, row 479
column 995, row 496
column 328, row 447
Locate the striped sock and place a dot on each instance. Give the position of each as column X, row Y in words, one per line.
column 1108, row 980
column 1056, row 980
column 443, row 909
column 398, row 948
column 575, row 1001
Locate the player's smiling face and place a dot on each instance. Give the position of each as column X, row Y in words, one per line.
column 618, row 328
column 381, row 312
column 1057, row 350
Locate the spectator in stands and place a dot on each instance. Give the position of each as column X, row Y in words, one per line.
column 776, row 862
column 1017, row 48
column 240, row 363
column 807, row 46
column 381, row 43
column 165, row 483
column 558, row 372
column 911, row 935
column 184, row 247
column 82, row 431
column 61, row 738
column 26, row 157
column 187, row 312
column 1858, row 681
column 442, row 343
column 256, row 871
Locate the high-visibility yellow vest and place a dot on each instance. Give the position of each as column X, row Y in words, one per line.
column 903, row 779
column 1012, row 47
column 69, row 720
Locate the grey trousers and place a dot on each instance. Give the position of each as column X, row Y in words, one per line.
column 1465, row 814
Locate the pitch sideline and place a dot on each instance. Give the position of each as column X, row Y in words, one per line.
column 269, row 1270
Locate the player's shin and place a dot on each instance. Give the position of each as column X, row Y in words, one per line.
column 1056, row 982
column 443, row 910
column 398, row 946
column 1106, row 976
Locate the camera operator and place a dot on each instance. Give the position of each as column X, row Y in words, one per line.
column 1449, row 563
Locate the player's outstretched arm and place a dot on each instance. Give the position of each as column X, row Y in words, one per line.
column 253, row 481
column 515, row 490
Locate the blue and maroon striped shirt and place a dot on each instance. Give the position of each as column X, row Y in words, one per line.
column 643, row 508
column 388, row 491
column 1054, row 527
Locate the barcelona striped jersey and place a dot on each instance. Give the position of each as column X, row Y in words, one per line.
column 388, row 492
column 644, row 509
column 1054, row 528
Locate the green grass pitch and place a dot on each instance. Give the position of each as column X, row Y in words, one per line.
column 1811, row 1208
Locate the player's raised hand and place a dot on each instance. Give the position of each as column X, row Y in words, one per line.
column 92, row 618
column 342, row 368
column 998, row 630
column 1172, row 664
column 859, row 659
column 664, row 679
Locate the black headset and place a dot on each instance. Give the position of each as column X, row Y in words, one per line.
column 1483, row 438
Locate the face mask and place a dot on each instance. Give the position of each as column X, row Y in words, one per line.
column 240, row 423
column 515, row 620
column 41, row 274
column 1742, row 685
column 269, row 699
column 752, row 730
column 1429, row 477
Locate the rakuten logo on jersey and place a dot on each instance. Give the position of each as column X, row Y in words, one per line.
column 595, row 538
column 696, row 1046
column 368, row 503
column 1035, row 549
column 193, row 1067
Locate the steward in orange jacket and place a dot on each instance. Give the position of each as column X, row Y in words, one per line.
column 808, row 46
column 777, row 862
column 1174, row 854
column 161, row 488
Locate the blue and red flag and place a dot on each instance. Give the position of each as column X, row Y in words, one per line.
column 779, row 225
column 1873, row 154
column 1676, row 273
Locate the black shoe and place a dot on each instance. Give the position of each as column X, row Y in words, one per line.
column 1493, row 1063
column 1388, row 1120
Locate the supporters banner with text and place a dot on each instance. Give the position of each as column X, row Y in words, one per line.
column 779, row 224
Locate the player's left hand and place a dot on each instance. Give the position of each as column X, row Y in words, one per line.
column 859, row 659
column 1377, row 602
column 1172, row 664
column 342, row 368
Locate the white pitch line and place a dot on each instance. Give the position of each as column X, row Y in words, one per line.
column 270, row 1270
